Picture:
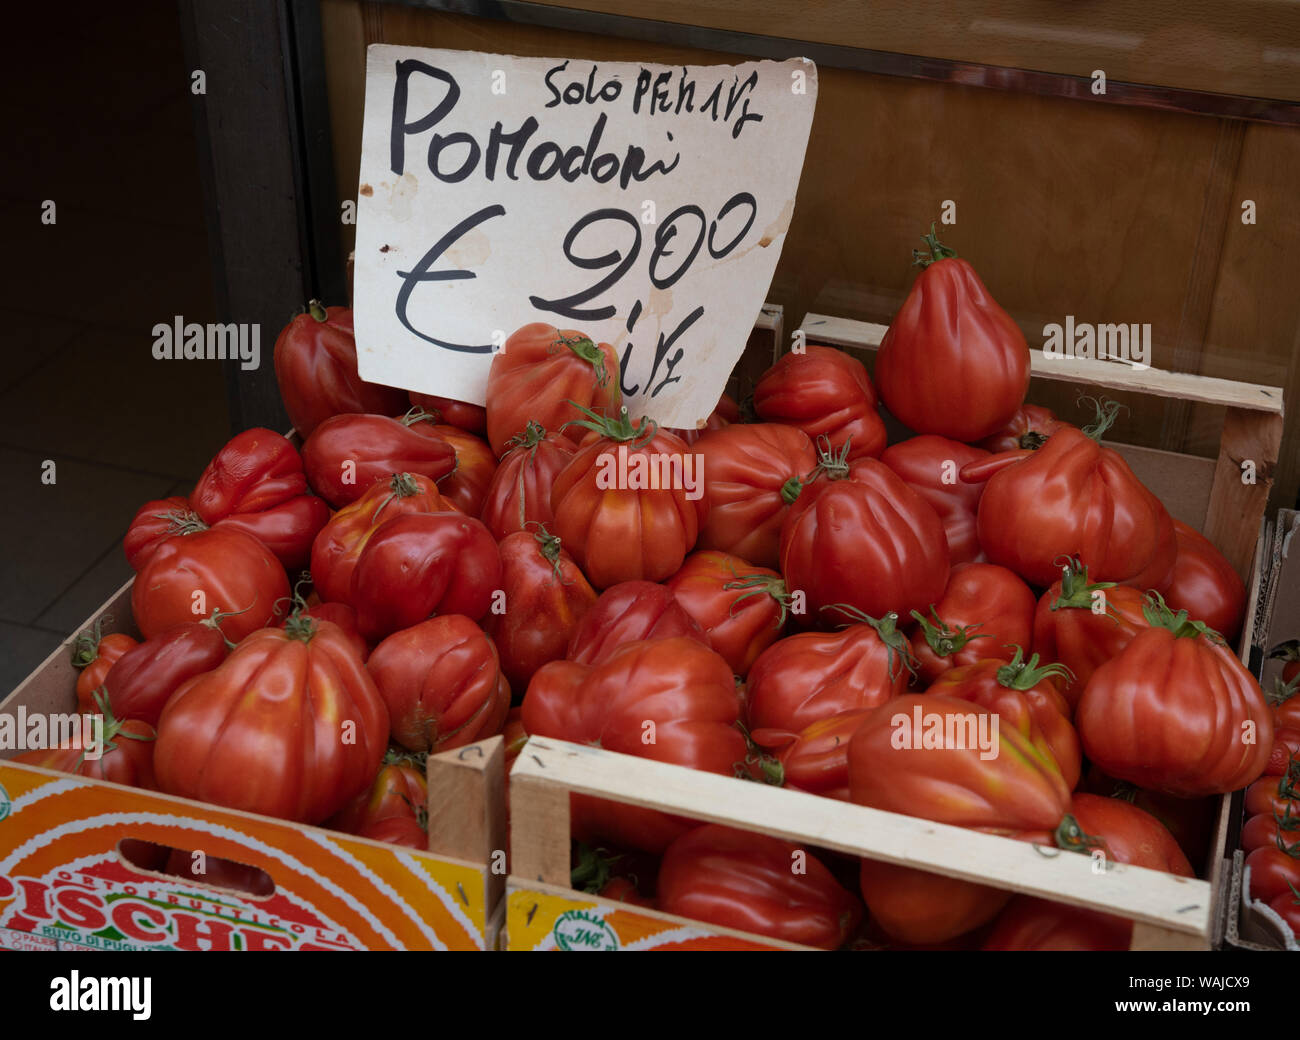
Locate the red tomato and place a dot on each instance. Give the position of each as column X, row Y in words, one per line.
column 624, row 890
column 349, row 453
column 520, row 491
column 420, row 564
column 472, row 418
column 146, row 677
column 1205, row 583
column 737, row 879
column 1286, row 749
column 95, row 654
column 1083, row 625
column 466, row 487
column 1290, row 653
column 1278, row 796
column 442, row 682
column 192, row 575
column 1173, row 712
column 546, row 599
column 316, row 367
column 1123, row 832
column 1073, row 497
column 825, row 393
column 751, row 475
column 630, row 503
column 541, row 374
column 986, row 612
column 930, row 466
column 860, row 536
column 817, row 758
column 630, row 612
column 919, row 908
column 255, row 471
column 741, row 608
column 302, row 727
column 726, row 413
column 921, row 755
column 286, row 529
column 399, row 789
column 1285, row 702
column 337, row 613
column 811, row 676
column 1287, row 907
column 335, row 550
column 1028, row 428
column 671, row 700
column 1026, row 697
column 125, row 757
column 1273, row 873
column 1037, row 924
column 397, row 830
column 953, row 362
column 1191, row 821
column 1264, row 829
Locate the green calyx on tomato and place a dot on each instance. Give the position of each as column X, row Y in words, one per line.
column 417, row 413
column 299, row 625
column 402, row 485
column 86, row 647
column 835, row 464
column 1070, row 837
column 773, row 772
column 1076, row 591
column 620, row 430
column 1032, row 440
column 1019, row 674
column 938, row 251
column 594, row 869
column 584, row 348
column 887, row 628
column 317, row 310
column 1159, row 615
column 548, row 545
column 1106, row 412
column 761, row 585
column 1276, row 697
column 112, row 727
column 533, row 435
column 943, row 639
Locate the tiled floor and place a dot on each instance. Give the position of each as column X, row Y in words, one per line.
column 78, row 299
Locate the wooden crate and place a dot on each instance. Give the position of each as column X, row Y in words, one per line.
column 543, row 912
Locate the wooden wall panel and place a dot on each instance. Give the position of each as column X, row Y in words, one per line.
column 1109, row 213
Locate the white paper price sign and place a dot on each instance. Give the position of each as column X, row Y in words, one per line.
column 645, row 205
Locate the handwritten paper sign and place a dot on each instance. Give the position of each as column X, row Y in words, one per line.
column 645, row 205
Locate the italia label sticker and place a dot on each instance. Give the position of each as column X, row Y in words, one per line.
column 583, row 930
column 4, row 803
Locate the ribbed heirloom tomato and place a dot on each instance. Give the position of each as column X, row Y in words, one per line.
column 400, row 790
column 145, row 677
column 858, row 535
column 738, row 879
column 630, row 612
column 520, row 491
column 1083, row 624
column 751, row 475
column 670, row 700
column 1026, row 697
column 316, row 368
column 1038, row 924
column 335, row 551
column 1176, row 711
column 741, row 608
column 472, row 418
column 630, row 503
column 1205, row 583
column 124, row 757
column 466, row 487
column 986, row 612
column 442, row 683
column 349, row 453
column 546, row 598
column 1073, row 497
column 1028, row 428
column 811, row 676
column 546, row 375
column 420, row 564
column 930, row 466
column 825, row 393
column 191, row 575
column 816, row 759
column 953, row 362
column 302, row 727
